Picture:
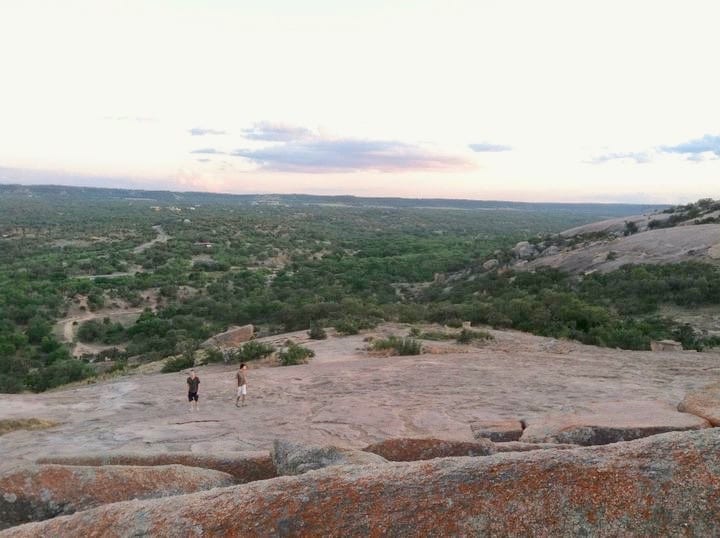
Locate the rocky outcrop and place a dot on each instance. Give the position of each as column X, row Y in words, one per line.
column 233, row 337
column 524, row 250
column 499, row 431
column 491, row 264
column 37, row 492
column 610, row 422
column 666, row 485
column 426, row 449
column 243, row 466
column 295, row 458
column 704, row 403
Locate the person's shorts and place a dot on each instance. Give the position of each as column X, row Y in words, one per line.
column 192, row 396
column 242, row 390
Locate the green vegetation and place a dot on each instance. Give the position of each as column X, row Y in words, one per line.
column 398, row 346
column 467, row 336
column 295, row 354
column 316, row 332
column 163, row 272
column 617, row 309
column 252, row 351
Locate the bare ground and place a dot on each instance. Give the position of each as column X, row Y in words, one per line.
column 346, row 397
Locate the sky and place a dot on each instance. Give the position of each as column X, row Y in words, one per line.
column 576, row 100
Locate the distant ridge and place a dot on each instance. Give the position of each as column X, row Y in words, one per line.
column 171, row 197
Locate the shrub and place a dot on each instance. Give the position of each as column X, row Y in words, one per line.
column 400, row 346
column 176, row 364
column 346, row 327
column 59, row 373
column 213, row 354
column 316, row 332
column 295, row 354
column 252, row 351
column 467, row 335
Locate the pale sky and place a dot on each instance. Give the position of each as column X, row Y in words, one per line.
column 522, row 100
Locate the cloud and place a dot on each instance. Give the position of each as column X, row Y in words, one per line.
column 318, row 155
column 199, row 131
column 203, row 160
column 488, row 147
column 276, row 132
column 208, row 151
column 640, row 157
column 694, row 149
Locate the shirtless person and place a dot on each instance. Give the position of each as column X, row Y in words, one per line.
column 241, row 385
column 193, row 383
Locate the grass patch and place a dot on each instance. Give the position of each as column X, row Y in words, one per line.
column 468, row 336
column 15, row 424
column 399, row 346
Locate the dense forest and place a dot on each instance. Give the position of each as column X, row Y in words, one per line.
column 149, row 275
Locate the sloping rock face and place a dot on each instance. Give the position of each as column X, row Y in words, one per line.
column 294, row 458
column 704, row 403
column 243, row 466
column 667, row 485
column 427, row 449
column 611, row 422
column 233, row 337
column 37, row 492
column 499, row 431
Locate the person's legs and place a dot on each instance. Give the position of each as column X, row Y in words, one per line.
column 237, row 400
column 190, row 400
column 244, row 392
column 196, row 402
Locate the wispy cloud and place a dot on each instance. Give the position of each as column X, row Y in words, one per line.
column 351, row 155
column 276, row 132
column 640, row 157
column 208, row 151
column 484, row 147
column 199, row 131
column 694, row 149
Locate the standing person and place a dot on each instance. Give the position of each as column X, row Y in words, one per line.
column 241, row 385
column 193, row 383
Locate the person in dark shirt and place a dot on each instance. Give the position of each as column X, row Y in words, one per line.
column 193, row 383
column 241, row 385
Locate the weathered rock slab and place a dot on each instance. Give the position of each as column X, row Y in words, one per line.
column 243, row 466
column 704, row 403
column 37, row 492
column 519, row 446
column 499, row 431
column 610, row 422
column 666, row 485
column 426, row 449
column 294, row 458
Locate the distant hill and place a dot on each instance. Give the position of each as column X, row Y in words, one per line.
column 91, row 194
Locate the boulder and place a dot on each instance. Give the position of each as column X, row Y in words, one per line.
column 243, row 466
column 426, row 449
column 295, row 458
column 37, row 492
column 665, row 485
column 499, row 431
column 524, row 250
column 233, row 337
column 610, row 422
column 491, row 264
column 704, row 403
